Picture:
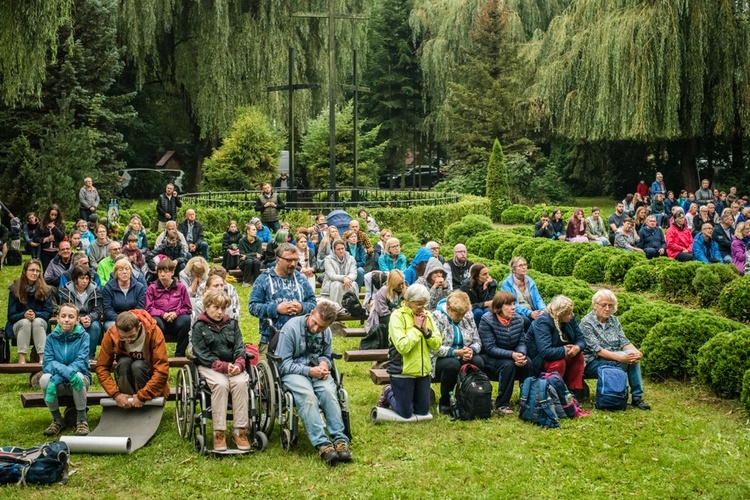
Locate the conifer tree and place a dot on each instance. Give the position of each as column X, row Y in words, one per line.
column 497, row 182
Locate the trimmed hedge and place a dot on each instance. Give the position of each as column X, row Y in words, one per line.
column 626, row 301
column 709, row 281
column 458, row 232
column 723, row 360
column 677, row 279
column 641, row 278
column 491, row 241
column 670, row 350
column 734, row 300
column 516, row 214
column 544, row 254
column 619, row 265
column 566, row 259
column 526, row 249
column 745, row 397
column 505, row 251
column 639, row 319
column 591, row 267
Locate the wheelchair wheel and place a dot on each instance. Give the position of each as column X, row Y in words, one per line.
column 199, row 444
column 261, row 441
column 286, row 439
column 185, row 403
column 266, row 394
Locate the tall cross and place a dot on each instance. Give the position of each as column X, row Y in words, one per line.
column 356, row 88
column 331, row 15
column 291, row 87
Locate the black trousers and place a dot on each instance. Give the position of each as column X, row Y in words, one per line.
column 179, row 328
column 131, row 375
column 250, row 270
column 506, row 372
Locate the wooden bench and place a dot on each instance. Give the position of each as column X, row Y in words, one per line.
column 36, row 399
column 379, row 376
column 354, row 332
column 366, row 355
column 16, row 368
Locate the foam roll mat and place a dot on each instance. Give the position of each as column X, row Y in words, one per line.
column 120, row 430
column 378, row 415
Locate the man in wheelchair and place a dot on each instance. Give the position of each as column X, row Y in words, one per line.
column 305, row 349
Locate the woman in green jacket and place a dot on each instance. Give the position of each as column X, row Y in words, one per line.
column 412, row 335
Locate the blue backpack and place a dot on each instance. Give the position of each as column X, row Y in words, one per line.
column 611, row 388
column 566, row 405
column 45, row 464
column 536, row 404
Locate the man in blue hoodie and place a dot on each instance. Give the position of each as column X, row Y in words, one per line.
column 280, row 294
column 417, row 267
column 652, row 239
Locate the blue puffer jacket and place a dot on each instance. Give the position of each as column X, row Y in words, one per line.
column 544, row 344
column 66, row 353
column 652, row 238
column 499, row 341
column 537, row 302
column 116, row 302
column 702, row 253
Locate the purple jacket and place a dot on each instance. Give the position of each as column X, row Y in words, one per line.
column 739, row 252
column 160, row 300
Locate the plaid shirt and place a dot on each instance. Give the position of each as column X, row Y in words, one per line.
column 608, row 336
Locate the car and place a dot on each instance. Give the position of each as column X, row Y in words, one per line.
column 141, row 183
column 430, row 177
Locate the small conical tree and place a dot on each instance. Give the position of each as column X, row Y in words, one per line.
column 497, row 182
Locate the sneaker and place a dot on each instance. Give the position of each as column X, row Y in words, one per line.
column 343, row 451
column 640, row 404
column 82, row 428
column 240, row 439
column 383, row 399
column 220, row 441
column 501, row 411
column 328, row 454
column 54, row 428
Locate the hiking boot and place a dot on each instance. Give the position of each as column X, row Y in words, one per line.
column 383, row 399
column 328, row 454
column 501, row 411
column 82, row 428
column 343, row 451
column 54, row 428
column 220, row 441
column 640, row 404
column 240, row 439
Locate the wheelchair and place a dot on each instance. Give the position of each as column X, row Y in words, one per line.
column 285, row 411
column 193, row 407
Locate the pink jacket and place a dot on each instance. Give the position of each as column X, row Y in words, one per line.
column 739, row 253
column 160, row 300
column 677, row 240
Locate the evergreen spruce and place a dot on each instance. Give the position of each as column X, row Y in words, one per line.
column 497, row 182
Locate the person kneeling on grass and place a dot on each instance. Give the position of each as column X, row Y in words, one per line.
column 606, row 344
column 305, row 349
column 219, row 352
column 142, row 371
column 66, row 369
column 412, row 335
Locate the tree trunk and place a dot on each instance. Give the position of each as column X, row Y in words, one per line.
column 687, row 164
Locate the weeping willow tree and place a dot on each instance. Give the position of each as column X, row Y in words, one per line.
column 643, row 70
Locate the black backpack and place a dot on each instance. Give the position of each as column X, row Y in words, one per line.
column 13, row 258
column 45, row 464
column 473, row 394
column 350, row 302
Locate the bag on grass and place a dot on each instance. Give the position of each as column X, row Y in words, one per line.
column 473, row 393
column 13, row 258
column 350, row 302
column 565, row 404
column 611, row 388
column 44, row 464
column 536, row 404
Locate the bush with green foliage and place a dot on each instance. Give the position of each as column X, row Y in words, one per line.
column 670, row 350
column 521, row 231
column 498, row 271
column 505, row 250
column 468, row 226
column 498, row 191
column 626, row 301
column 565, row 260
column 548, row 286
column 745, row 397
column 677, row 280
column 642, row 278
column 515, row 214
column 710, row 280
column 723, row 361
column 591, row 267
column 639, row 319
column 527, row 249
column 491, row 241
column 581, row 297
column 620, row 264
column 544, row 254
column 734, row 300
column 216, row 219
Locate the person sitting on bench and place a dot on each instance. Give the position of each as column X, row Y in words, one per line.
column 142, row 370
column 66, row 369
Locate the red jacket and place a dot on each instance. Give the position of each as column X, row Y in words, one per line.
column 642, row 189
column 679, row 240
column 155, row 350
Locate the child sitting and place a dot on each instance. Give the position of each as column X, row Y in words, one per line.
column 65, row 369
column 219, row 352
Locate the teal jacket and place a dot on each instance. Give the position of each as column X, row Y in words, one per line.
column 66, row 353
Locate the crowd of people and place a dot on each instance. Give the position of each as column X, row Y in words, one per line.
column 122, row 298
column 709, row 226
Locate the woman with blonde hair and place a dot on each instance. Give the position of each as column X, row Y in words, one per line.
column 384, row 302
column 555, row 343
column 194, row 275
column 325, row 248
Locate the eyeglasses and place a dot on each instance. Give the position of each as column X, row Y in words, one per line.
column 606, row 305
column 290, row 261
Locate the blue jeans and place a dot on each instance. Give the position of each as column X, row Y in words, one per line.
column 308, row 394
column 201, row 249
column 634, row 373
column 273, row 226
column 95, row 334
column 360, row 278
column 478, row 313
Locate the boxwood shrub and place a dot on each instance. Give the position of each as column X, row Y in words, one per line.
column 642, row 278
column 527, row 249
column 677, row 280
column 626, row 301
column 498, row 271
column 521, row 231
column 542, row 260
column 548, row 286
column 709, row 281
column 723, row 360
column 619, row 265
column 515, row 214
column 491, row 241
column 565, row 260
column 591, row 267
column 734, row 300
column 461, row 231
column 505, row 250
column 670, row 350
column 639, row 319
column 745, row 397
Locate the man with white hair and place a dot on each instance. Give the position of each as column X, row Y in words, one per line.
column 192, row 230
column 172, row 225
column 88, row 196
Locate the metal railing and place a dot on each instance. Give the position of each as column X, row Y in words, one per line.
column 326, row 199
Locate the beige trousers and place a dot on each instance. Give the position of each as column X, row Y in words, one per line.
column 220, row 385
